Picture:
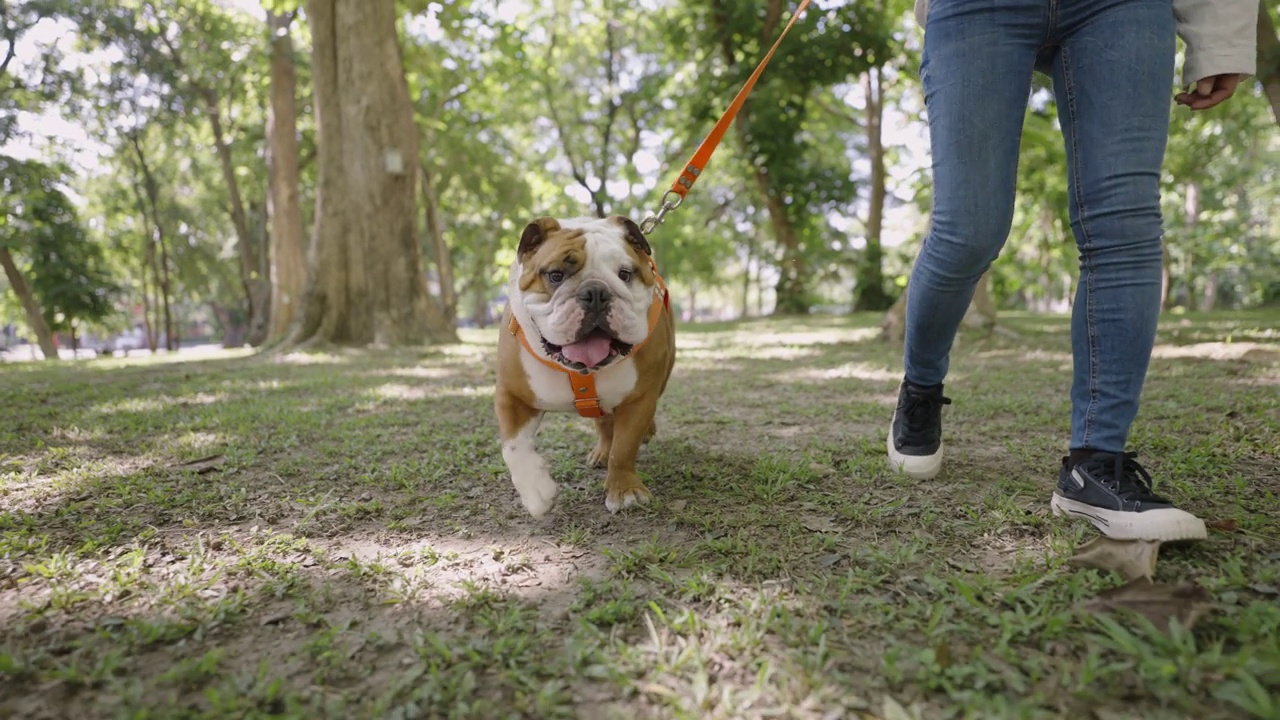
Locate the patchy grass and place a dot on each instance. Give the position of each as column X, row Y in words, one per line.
column 335, row 536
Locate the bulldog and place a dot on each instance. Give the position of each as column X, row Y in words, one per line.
column 587, row 328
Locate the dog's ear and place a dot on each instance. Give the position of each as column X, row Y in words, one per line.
column 534, row 234
column 634, row 236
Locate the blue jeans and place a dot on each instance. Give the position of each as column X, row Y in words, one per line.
column 1112, row 67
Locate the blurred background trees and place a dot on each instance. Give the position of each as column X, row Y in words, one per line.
column 356, row 171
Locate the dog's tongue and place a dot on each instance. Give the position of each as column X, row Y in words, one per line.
column 590, row 352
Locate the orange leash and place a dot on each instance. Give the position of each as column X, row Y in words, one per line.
column 583, row 383
column 693, row 169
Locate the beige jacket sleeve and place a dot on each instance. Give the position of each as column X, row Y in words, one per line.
column 1221, row 37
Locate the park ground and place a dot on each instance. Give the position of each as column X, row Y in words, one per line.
column 333, row 535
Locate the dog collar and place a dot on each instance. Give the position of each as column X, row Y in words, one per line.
column 583, row 382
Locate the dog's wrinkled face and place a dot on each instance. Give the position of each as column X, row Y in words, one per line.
column 586, row 285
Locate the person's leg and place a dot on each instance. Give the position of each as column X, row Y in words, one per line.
column 976, row 72
column 1113, row 77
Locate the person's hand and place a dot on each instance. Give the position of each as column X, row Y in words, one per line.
column 1209, row 91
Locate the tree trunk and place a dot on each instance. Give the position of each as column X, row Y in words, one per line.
column 233, row 330
column 480, row 300
column 34, row 317
column 1166, row 279
column 148, row 306
column 894, row 326
column 868, row 289
column 1269, row 58
column 982, row 309
column 1191, row 208
column 1210, row 298
column 288, row 261
column 162, row 276
column 439, row 248
column 791, row 291
column 368, row 285
column 255, row 289
column 759, row 289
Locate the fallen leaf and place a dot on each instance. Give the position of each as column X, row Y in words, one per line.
column 1158, row 602
column 678, row 505
column 893, row 710
column 203, row 465
column 274, row 618
column 1265, row 589
column 817, row 523
column 821, row 470
column 942, row 655
column 302, row 559
column 656, row 689
column 1226, row 525
column 830, row 560
column 1131, row 559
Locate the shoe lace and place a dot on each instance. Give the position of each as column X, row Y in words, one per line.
column 1125, row 476
column 921, row 412
column 923, row 405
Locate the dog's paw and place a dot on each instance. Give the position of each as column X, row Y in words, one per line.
column 625, row 493
column 537, row 492
column 534, row 484
column 599, row 457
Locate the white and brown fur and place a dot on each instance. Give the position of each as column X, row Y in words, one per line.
column 586, row 250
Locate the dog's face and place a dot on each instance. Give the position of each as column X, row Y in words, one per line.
column 586, row 286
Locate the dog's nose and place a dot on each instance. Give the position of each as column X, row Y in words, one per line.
column 594, row 297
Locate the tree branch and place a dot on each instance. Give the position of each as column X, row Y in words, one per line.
column 305, row 159
column 11, row 36
column 578, row 174
column 611, row 116
column 843, row 114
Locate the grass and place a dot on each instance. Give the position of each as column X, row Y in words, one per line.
column 334, row 535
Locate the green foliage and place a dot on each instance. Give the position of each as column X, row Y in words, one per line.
column 65, row 270
column 28, row 83
column 1220, row 184
column 790, row 148
column 587, row 107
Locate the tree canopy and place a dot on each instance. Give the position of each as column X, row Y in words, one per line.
column 196, row 199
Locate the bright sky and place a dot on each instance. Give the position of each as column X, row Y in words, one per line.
column 50, row 130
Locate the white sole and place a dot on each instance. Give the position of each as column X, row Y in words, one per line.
column 917, row 467
column 1166, row 525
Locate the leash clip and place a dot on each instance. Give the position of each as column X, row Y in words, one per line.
column 650, row 223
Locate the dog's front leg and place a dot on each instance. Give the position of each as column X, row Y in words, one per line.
column 518, row 425
column 631, row 425
column 599, row 457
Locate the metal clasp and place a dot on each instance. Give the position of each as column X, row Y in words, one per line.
column 650, row 223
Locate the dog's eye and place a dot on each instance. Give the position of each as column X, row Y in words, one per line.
column 624, row 275
column 555, row 277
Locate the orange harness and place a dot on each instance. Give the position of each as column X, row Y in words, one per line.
column 583, row 382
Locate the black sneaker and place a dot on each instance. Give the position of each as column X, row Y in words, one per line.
column 1114, row 492
column 915, row 439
